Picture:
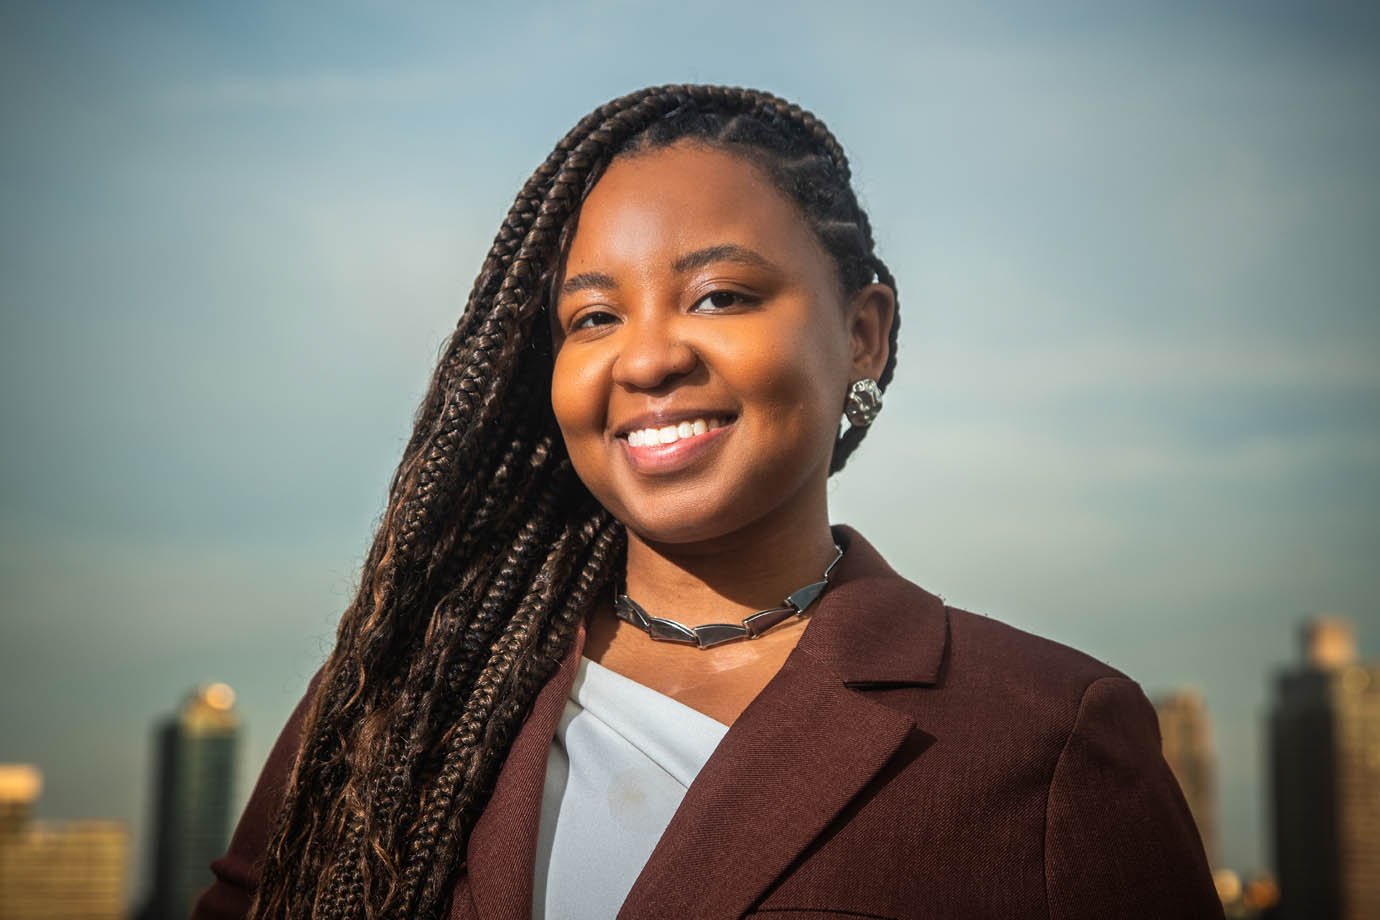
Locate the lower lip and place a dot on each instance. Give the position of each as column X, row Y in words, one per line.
column 676, row 456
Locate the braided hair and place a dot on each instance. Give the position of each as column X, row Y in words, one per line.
column 490, row 550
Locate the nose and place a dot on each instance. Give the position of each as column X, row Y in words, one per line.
column 652, row 354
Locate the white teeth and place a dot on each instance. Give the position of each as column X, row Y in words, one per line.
column 670, row 434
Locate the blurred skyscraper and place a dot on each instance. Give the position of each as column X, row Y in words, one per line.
column 192, row 788
column 74, row 870
column 1325, row 760
column 1187, row 740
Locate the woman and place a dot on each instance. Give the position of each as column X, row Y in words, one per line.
column 642, row 401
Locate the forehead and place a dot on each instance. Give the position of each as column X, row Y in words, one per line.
column 684, row 196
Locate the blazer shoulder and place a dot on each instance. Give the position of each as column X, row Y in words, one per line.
column 1010, row 677
column 982, row 647
column 896, row 628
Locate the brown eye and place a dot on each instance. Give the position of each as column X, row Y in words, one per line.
column 593, row 318
column 723, row 300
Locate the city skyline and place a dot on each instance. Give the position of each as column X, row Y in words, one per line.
column 190, row 793
column 1135, row 409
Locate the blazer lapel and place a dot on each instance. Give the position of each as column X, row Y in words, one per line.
column 803, row 749
column 502, row 850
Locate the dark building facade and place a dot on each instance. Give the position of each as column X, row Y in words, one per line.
column 192, row 793
column 1325, row 779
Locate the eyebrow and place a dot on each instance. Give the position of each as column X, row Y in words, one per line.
column 724, row 252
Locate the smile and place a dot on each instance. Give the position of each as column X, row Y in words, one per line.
column 669, row 448
column 670, row 434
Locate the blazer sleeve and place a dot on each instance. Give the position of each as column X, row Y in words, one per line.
column 1119, row 838
column 237, row 872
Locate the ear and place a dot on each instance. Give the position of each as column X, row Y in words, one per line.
column 870, row 315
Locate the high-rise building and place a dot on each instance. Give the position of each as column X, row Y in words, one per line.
column 1186, row 733
column 20, row 786
column 1325, row 766
column 73, row 870
column 192, row 790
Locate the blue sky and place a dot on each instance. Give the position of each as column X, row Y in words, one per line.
column 1135, row 411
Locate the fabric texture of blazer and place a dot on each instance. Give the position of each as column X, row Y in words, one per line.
column 909, row 760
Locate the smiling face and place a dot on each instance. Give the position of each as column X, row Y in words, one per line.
column 703, row 347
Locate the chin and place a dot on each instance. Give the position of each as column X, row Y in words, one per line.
column 674, row 530
column 689, row 520
column 696, row 517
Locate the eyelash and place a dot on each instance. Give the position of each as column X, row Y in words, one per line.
column 741, row 299
column 592, row 314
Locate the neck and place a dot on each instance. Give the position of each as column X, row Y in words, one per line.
column 725, row 579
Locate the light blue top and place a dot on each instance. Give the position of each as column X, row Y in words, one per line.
column 618, row 768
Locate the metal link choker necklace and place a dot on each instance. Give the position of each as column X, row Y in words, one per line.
column 708, row 635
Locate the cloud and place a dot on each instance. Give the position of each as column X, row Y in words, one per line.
column 307, row 91
column 1032, row 373
column 1053, row 461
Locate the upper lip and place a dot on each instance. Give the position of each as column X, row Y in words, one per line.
column 664, row 417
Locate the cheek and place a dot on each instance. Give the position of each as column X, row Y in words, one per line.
column 579, row 399
column 799, row 378
column 794, row 418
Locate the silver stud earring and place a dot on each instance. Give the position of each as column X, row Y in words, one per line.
column 863, row 403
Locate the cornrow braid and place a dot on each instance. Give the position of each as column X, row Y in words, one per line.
column 490, row 551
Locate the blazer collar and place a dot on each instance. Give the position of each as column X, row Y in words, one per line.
column 791, row 763
column 872, row 627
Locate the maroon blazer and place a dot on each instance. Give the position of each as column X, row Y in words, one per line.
column 908, row 760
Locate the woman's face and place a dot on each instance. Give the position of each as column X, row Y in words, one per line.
column 703, row 350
